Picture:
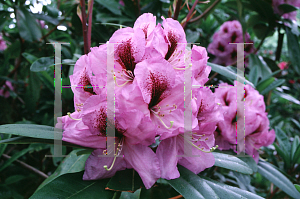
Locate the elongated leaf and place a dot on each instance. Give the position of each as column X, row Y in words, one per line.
column 231, row 162
column 264, row 84
column 297, row 156
column 284, row 155
column 3, row 146
column 262, row 69
column 126, row 180
column 294, row 50
column 71, row 164
column 42, row 64
column 271, row 173
column 72, row 186
column 250, row 162
column 29, row 29
column 227, row 72
column 111, row 5
column 286, row 8
column 273, row 85
column 297, row 187
column 30, row 58
column 226, row 191
column 283, row 140
column 31, row 130
column 287, row 97
column 295, row 145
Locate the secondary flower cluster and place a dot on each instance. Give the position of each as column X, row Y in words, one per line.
column 4, row 91
column 150, row 63
column 224, row 52
column 256, row 122
column 290, row 15
column 3, row 45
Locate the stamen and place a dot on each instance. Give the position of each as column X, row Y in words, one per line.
column 69, row 114
column 171, row 122
column 119, row 149
column 190, row 65
column 211, row 150
column 122, row 84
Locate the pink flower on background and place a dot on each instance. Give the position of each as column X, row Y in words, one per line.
column 149, row 69
column 3, row 45
column 290, row 15
column 257, row 132
column 4, row 91
column 225, row 53
column 283, row 65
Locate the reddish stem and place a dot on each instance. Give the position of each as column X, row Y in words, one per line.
column 89, row 35
column 189, row 14
column 84, row 28
column 177, row 9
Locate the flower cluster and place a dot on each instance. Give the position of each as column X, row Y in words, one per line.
column 4, row 91
column 150, row 65
column 224, row 52
column 3, row 45
column 256, row 122
column 290, row 15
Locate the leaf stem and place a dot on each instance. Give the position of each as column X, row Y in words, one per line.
column 279, row 45
column 190, row 14
column 177, row 9
column 206, row 11
column 84, row 28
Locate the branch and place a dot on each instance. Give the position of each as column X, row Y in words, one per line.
column 84, row 28
column 206, row 11
column 23, row 164
column 189, row 14
column 177, row 9
column 52, row 30
column 89, row 34
column 279, row 45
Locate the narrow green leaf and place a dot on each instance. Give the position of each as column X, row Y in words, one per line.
column 3, row 146
column 42, row 64
column 294, row 50
column 112, row 6
column 31, row 130
column 29, row 57
column 283, row 140
column 125, row 180
column 72, row 186
column 297, row 156
column 250, row 162
column 297, row 187
column 71, row 164
column 295, row 145
column 225, row 191
column 264, row 84
column 262, row 69
column 296, row 123
column 231, row 162
column 286, row 8
column 287, row 97
column 273, row 85
column 227, row 72
column 29, row 29
column 271, row 173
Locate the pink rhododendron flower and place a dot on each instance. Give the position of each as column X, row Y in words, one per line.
column 149, row 66
column 290, row 15
column 4, row 91
column 257, row 132
column 3, row 45
column 283, row 65
column 225, row 53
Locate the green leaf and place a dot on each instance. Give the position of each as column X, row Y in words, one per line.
column 296, row 123
column 273, row 85
column 231, row 162
column 29, row 29
column 128, row 195
column 32, row 130
column 286, row 8
column 271, row 173
column 71, row 164
column 47, row 18
column 3, row 146
column 262, row 69
column 261, row 30
column 72, row 186
column 29, row 57
column 287, row 97
column 297, row 156
column 283, row 140
column 284, row 155
column 227, row 72
column 264, row 84
column 111, row 5
column 190, row 185
column 297, row 187
column 125, row 180
column 42, row 64
column 295, row 145
column 250, row 162
column 17, row 155
column 294, row 50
